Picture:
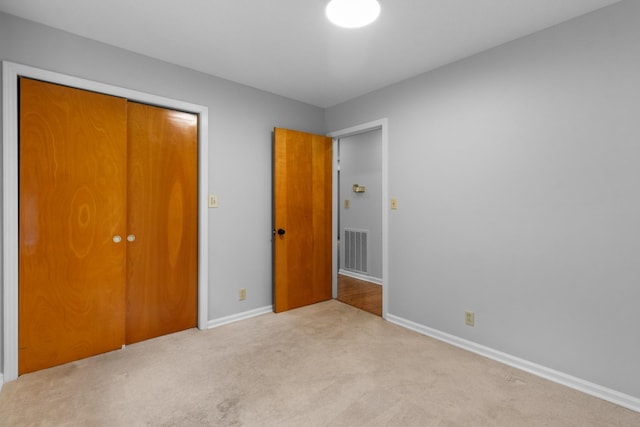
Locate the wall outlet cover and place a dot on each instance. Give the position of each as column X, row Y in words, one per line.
column 469, row 318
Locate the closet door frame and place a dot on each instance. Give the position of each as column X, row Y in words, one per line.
column 10, row 239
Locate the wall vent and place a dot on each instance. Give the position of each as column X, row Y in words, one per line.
column 355, row 250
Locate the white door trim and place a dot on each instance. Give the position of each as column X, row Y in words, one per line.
column 383, row 125
column 10, row 73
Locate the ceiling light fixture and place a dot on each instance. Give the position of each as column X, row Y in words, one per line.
column 352, row 13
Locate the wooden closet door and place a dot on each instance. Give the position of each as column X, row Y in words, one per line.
column 72, row 204
column 163, row 219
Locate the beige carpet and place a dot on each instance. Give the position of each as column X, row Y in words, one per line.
column 323, row 365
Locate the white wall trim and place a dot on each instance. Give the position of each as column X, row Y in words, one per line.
column 239, row 316
column 366, row 278
column 1, row 381
column 383, row 125
column 10, row 74
column 334, row 219
column 579, row 384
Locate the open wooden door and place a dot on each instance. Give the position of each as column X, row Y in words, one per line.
column 302, row 219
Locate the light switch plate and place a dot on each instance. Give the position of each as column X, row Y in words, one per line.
column 213, row 201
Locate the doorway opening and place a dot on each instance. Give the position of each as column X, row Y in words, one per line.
column 360, row 216
column 359, row 174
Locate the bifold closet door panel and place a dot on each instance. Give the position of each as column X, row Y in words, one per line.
column 72, row 205
column 162, row 259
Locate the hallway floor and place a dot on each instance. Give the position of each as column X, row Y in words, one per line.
column 364, row 295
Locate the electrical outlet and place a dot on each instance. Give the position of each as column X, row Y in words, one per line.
column 347, row 203
column 242, row 294
column 394, row 203
column 469, row 318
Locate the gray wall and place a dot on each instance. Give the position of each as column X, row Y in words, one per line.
column 241, row 123
column 361, row 163
column 517, row 173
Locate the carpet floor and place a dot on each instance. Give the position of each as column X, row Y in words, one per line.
column 324, row 365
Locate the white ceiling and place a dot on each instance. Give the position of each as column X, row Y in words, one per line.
column 288, row 47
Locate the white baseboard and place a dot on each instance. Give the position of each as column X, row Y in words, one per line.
column 366, row 278
column 240, row 316
column 613, row 396
column 1, row 380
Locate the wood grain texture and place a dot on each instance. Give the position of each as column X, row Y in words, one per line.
column 302, row 207
column 162, row 262
column 361, row 294
column 72, row 202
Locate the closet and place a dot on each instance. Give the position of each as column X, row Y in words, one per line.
column 107, row 223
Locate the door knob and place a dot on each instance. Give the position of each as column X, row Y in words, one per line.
column 131, row 237
column 281, row 232
column 117, row 239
